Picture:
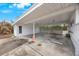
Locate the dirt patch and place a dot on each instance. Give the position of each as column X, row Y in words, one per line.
column 5, row 36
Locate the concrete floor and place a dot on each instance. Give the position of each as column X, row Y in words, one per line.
column 58, row 48
column 61, row 46
column 50, row 47
column 47, row 49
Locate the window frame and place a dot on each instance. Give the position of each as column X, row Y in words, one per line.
column 20, row 29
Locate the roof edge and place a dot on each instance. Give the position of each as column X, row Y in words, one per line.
column 36, row 5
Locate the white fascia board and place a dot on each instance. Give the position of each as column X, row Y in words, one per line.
column 28, row 12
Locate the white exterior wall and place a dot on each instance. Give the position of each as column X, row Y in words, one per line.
column 75, row 32
column 75, row 38
column 26, row 30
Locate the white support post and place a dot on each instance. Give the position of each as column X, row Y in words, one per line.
column 33, row 38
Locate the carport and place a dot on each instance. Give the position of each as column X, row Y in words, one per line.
column 46, row 14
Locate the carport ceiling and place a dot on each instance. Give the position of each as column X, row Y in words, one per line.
column 47, row 9
column 64, row 18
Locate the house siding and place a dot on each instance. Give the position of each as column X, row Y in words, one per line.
column 26, row 30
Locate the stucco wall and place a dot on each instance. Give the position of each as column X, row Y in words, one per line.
column 26, row 30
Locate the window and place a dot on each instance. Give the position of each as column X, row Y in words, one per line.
column 20, row 29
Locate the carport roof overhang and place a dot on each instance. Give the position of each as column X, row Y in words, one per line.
column 48, row 13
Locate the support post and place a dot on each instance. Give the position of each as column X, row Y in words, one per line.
column 33, row 38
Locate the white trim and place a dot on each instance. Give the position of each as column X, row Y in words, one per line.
column 31, row 10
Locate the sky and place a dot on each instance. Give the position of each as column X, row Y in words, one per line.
column 12, row 11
